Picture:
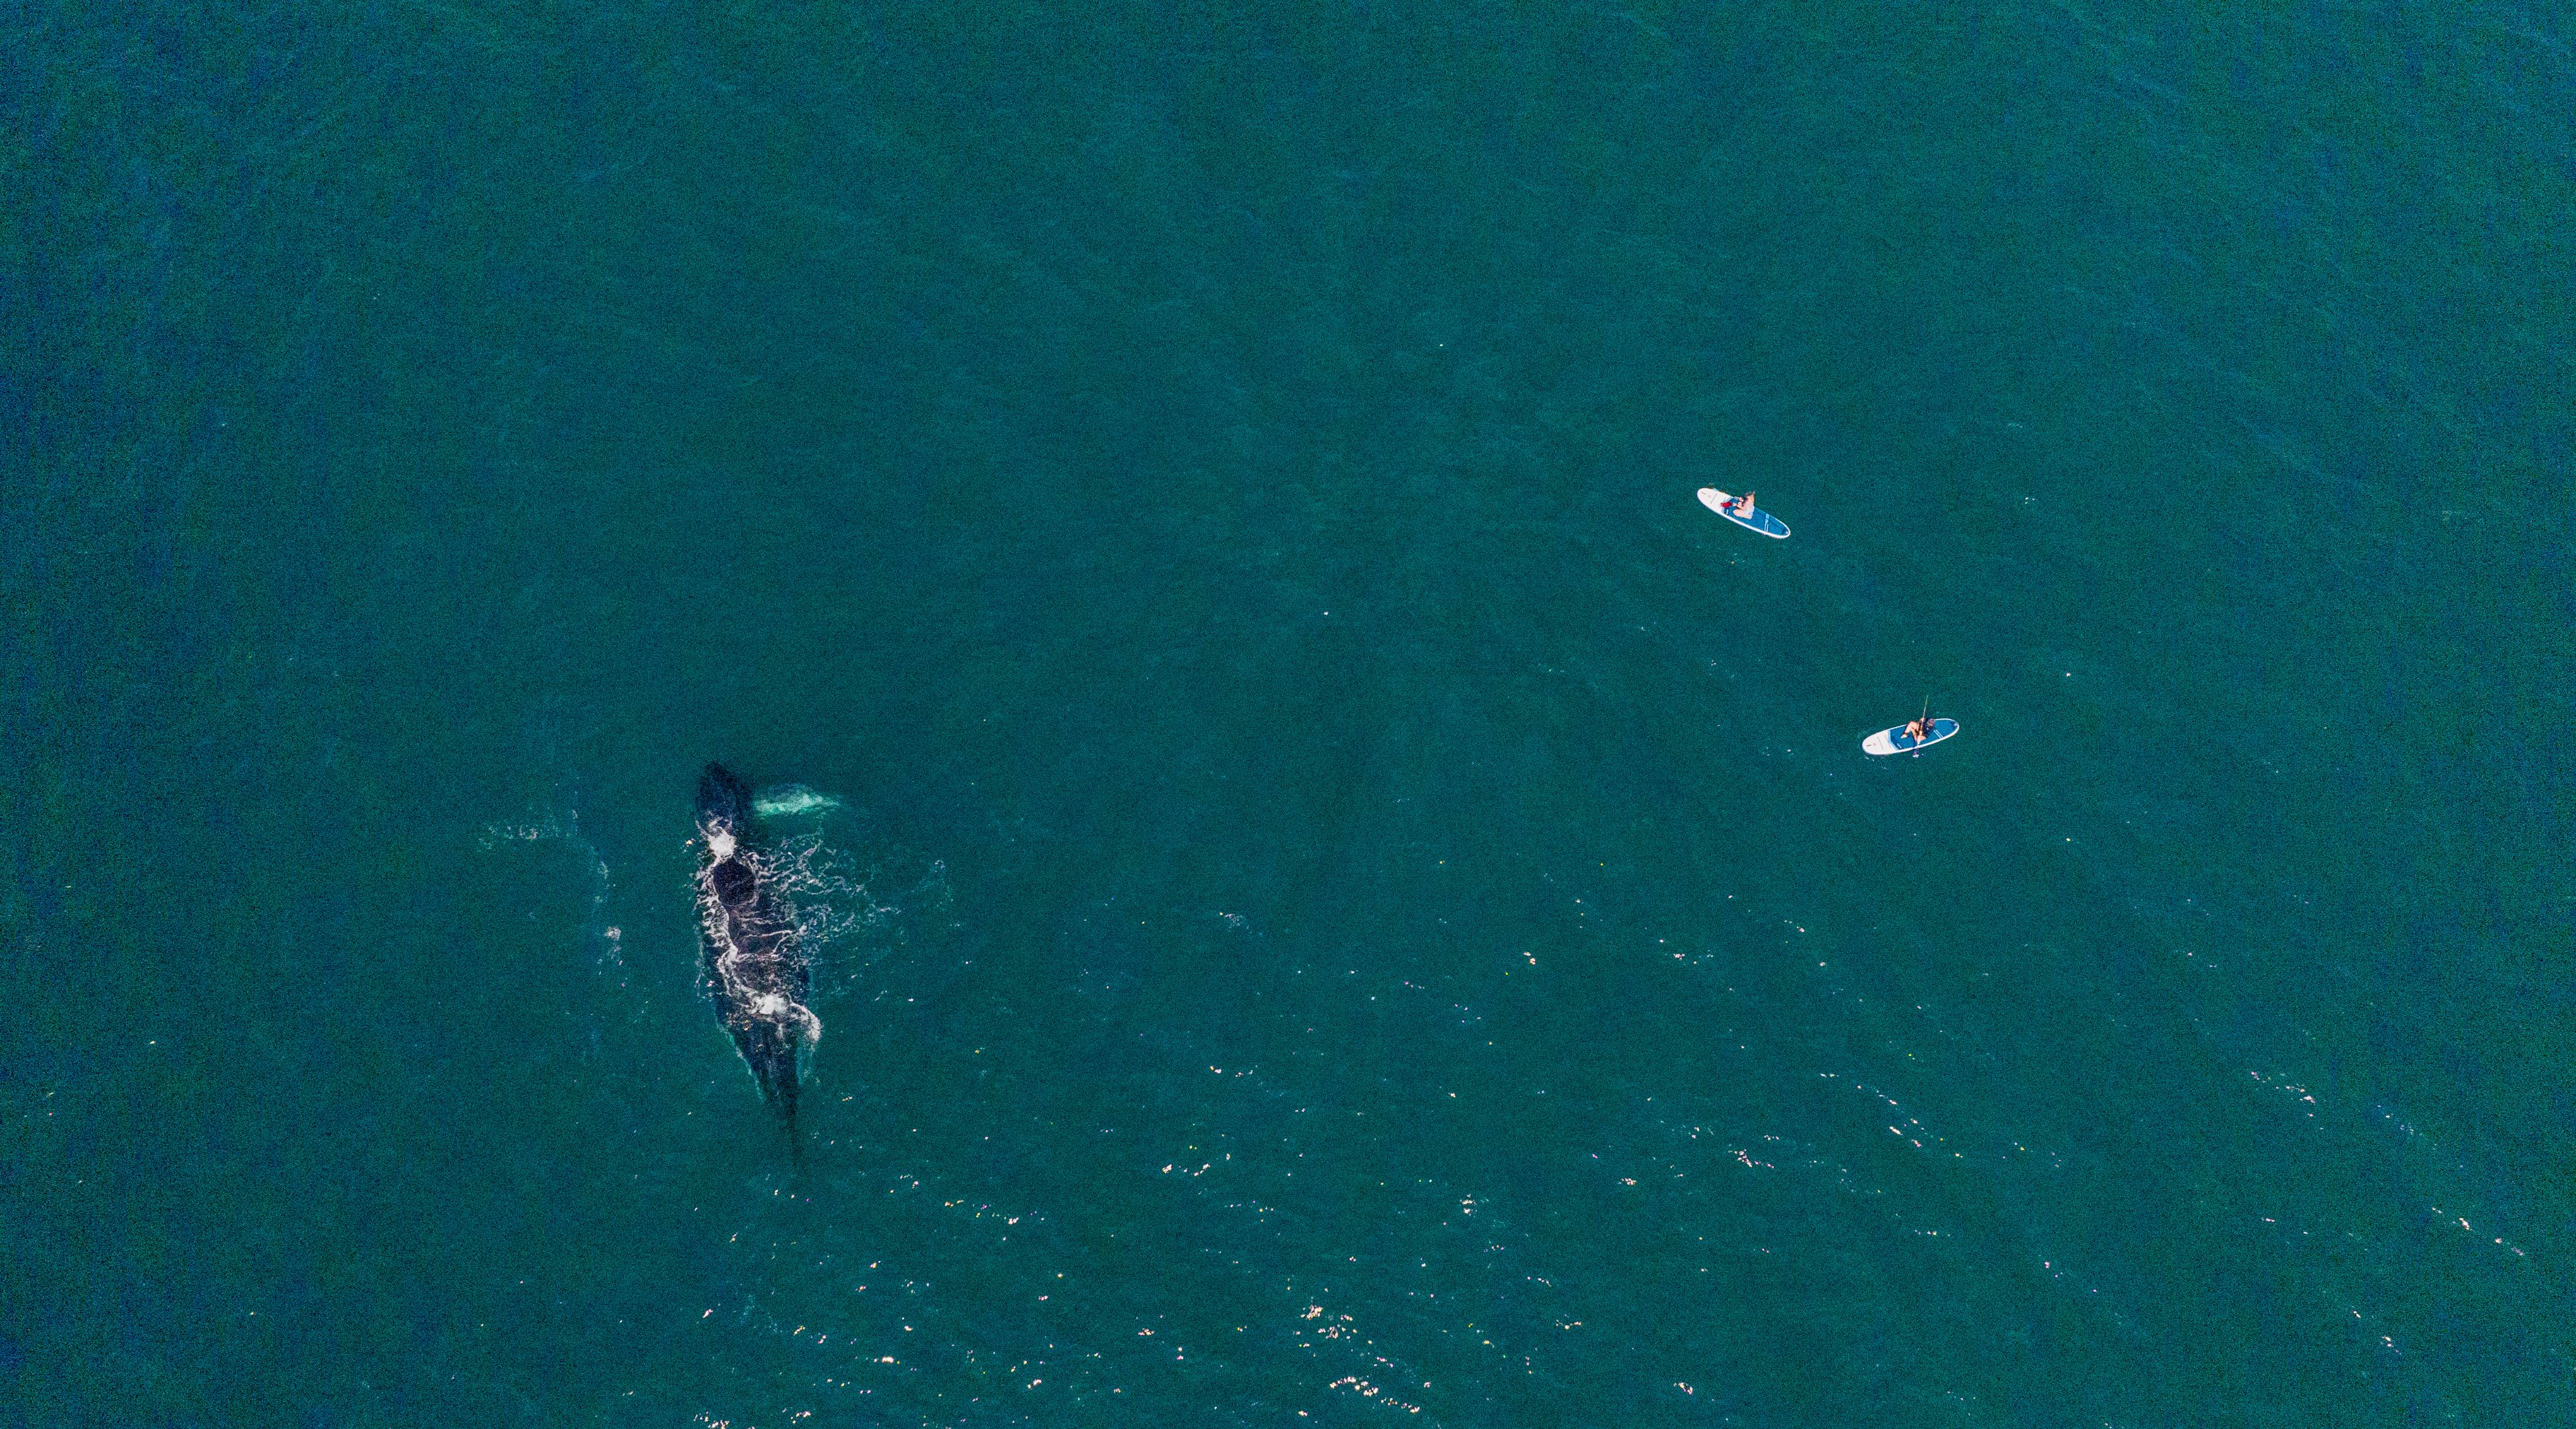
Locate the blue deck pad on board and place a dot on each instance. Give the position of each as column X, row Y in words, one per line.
column 1941, row 729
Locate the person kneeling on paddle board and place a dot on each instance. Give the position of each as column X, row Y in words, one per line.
column 1744, row 504
column 1918, row 730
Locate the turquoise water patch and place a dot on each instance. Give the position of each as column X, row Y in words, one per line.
column 1348, row 896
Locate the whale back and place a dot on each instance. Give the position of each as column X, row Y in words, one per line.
column 734, row 883
column 753, row 966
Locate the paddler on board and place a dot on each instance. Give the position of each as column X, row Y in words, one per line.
column 1919, row 728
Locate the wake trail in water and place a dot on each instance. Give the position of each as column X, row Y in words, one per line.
column 563, row 827
column 852, row 903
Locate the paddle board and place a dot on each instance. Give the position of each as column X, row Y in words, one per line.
column 1894, row 741
column 1757, row 519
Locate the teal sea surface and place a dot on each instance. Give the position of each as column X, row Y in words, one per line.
column 1340, row 894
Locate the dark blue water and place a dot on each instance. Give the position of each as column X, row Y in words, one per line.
column 1344, row 896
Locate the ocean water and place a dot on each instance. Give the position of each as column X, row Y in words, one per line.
column 1343, row 895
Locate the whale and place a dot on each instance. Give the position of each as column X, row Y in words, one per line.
column 754, row 969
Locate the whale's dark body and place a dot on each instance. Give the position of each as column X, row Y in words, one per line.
column 755, row 969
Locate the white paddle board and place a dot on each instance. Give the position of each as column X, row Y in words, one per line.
column 1755, row 519
column 1895, row 741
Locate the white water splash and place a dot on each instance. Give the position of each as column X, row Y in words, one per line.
column 849, row 907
